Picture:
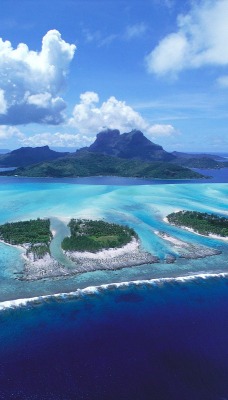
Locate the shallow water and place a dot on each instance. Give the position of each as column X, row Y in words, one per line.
column 141, row 206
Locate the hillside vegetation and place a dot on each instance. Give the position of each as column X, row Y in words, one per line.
column 84, row 164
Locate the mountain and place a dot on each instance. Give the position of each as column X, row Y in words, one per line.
column 131, row 145
column 29, row 155
column 4, row 151
column 86, row 163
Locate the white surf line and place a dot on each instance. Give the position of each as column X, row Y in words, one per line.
column 96, row 289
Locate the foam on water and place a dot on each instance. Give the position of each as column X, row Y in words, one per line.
column 95, row 290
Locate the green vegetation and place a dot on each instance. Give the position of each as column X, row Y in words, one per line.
column 35, row 234
column 202, row 223
column 203, row 162
column 92, row 236
column 84, row 163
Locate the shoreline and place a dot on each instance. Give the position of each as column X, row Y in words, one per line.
column 204, row 178
column 210, row 235
column 187, row 250
column 129, row 255
column 17, row 246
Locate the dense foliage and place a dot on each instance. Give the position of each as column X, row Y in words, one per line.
column 202, row 223
column 35, row 233
column 203, row 162
column 84, row 164
column 92, row 236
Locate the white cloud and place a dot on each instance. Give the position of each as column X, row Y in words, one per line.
column 223, row 81
column 57, row 139
column 89, row 98
column 90, row 118
column 32, row 80
column 40, row 99
column 169, row 55
column 135, row 31
column 129, row 33
column 3, row 103
column 9, row 132
column 201, row 39
column 161, row 130
column 106, row 41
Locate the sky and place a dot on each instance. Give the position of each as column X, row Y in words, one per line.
column 71, row 68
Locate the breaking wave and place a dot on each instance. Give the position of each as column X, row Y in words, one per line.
column 95, row 290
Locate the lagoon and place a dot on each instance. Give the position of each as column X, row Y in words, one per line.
column 125, row 201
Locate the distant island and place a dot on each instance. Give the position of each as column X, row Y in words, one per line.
column 129, row 154
column 84, row 164
column 29, row 155
column 202, row 223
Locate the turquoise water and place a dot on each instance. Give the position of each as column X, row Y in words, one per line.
column 141, row 206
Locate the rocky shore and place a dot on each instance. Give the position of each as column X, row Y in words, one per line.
column 186, row 250
column 129, row 255
column 45, row 267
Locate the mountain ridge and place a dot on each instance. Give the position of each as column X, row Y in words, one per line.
column 128, row 145
column 25, row 156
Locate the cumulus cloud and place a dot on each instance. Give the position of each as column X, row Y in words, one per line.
column 9, row 132
column 90, row 118
column 200, row 40
column 31, row 81
column 161, row 130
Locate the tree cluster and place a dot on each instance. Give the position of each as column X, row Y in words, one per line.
column 92, row 236
column 202, row 223
column 35, row 233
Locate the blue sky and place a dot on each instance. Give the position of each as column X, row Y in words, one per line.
column 69, row 69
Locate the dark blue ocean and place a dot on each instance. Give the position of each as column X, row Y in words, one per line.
column 166, row 340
